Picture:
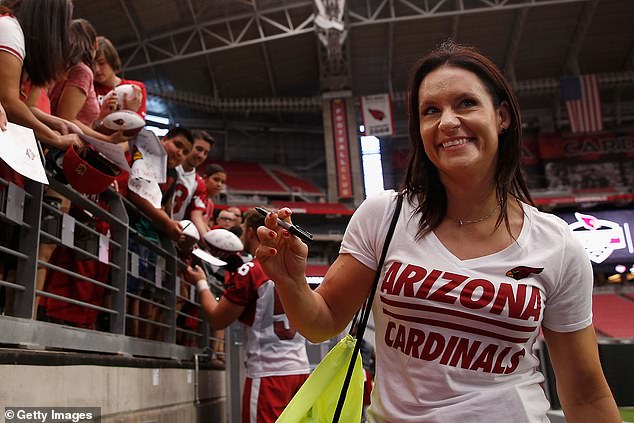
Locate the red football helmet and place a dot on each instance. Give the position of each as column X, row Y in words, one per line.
column 88, row 171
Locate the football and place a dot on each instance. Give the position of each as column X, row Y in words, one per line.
column 222, row 242
column 129, row 97
column 128, row 121
column 189, row 229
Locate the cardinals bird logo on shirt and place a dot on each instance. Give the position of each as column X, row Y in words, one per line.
column 520, row 272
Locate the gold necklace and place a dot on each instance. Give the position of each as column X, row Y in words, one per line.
column 482, row 219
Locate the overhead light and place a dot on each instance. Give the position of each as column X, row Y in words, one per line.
column 157, row 119
column 614, row 278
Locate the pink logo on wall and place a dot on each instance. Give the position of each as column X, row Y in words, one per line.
column 599, row 237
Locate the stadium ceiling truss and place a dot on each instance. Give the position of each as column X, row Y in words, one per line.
column 258, row 25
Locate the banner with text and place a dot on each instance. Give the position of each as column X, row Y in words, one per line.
column 588, row 162
column 376, row 111
column 586, row 147
column 342, row 149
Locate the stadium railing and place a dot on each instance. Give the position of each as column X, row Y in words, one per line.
column 28, row 221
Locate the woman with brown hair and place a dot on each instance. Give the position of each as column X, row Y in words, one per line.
column 474, row 271
column 73, row 97
column 33, row 45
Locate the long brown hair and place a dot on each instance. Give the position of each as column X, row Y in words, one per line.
column 82, row 43
column 45, row 24
column 422, row 181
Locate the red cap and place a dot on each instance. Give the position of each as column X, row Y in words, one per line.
column 89, row 172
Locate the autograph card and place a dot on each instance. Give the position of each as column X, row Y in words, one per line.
column 19, row 150
column 149, row 158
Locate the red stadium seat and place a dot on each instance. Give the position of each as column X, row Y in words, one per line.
column 313, row 208
column 251, row 178
column 613, row 315
column 296, row 184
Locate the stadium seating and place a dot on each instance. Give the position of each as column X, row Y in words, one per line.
column 250, row 178
column 630, row 296
column 296, row 184
column 613, row 315
column 313, row 208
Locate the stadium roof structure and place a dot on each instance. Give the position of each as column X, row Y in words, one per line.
column 248, row 63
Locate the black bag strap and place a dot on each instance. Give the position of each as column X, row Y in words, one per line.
column 366, row 309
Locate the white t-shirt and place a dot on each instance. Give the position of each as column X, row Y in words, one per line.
column 12, row 37
column 454, row 338
column 190, row 193
column 273, row 347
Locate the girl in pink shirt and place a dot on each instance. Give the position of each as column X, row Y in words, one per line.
column 74, row 98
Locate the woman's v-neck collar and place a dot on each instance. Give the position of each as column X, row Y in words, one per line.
column 505, row 252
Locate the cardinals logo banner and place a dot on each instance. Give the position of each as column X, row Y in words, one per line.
column 377, row 115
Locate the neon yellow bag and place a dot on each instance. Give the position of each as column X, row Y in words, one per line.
column 316, row 400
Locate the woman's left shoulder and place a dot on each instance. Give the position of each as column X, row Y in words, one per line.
column 376, row 207
column 549, row 229
column 544, row 220
column 379, row 200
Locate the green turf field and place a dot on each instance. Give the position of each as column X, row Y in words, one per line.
column 627, row 414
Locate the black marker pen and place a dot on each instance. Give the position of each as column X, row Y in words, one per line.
column 296, row 230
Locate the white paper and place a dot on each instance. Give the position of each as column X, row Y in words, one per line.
column 149, row 157
column 111, row 151
column 158, row 276
column 104, row 247
column 134, row 265
column 158, row 271
column 156, row 377
column 204, row 255
column 19, row 150
column 68, row 230
column 149, row 190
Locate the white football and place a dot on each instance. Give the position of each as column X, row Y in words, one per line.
column 189, row 229
column 126, row 120
column 130, row 92
column 224, row 240
column 128, row 97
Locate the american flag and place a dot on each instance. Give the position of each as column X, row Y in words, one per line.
column 583, row 102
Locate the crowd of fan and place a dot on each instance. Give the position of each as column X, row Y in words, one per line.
column 58, row 77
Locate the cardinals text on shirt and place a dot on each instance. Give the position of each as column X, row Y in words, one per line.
column 459, row 321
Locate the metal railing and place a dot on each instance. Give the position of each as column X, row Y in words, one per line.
column 139, row 305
